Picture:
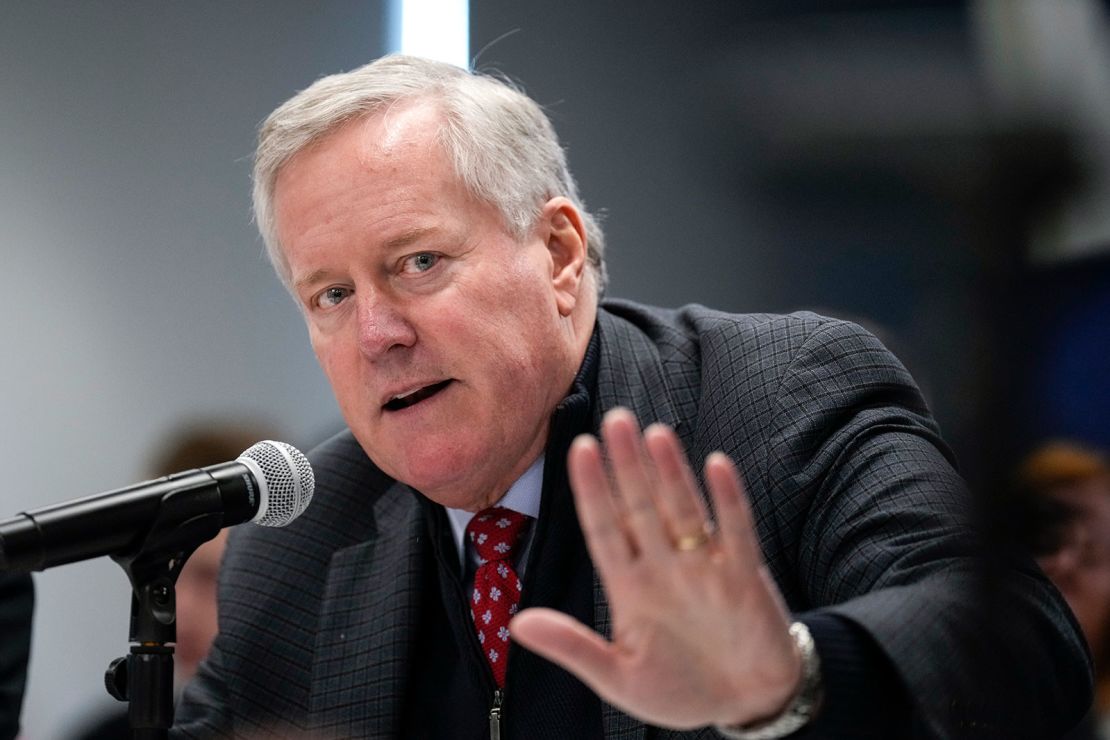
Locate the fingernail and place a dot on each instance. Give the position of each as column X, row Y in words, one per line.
column 584, row 440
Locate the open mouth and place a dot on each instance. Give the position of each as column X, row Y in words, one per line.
column 415, row 397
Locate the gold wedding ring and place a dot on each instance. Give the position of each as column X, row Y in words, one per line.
column 688, row 542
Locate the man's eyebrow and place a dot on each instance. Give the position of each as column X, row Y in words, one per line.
column 408, row 237
column 311, row 278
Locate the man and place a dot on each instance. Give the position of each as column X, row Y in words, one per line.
column 425, row 222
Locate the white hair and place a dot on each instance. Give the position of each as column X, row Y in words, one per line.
column 502, row 145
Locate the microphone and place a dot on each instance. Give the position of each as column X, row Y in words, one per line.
column 270, row 484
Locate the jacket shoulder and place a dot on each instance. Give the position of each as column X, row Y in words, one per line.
column 745, row 341
column 273, row 585
column 347, row 486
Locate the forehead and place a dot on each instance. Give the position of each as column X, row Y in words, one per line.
column 375, row 173
column 404, row 133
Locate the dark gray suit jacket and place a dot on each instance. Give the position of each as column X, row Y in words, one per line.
column 858, row 508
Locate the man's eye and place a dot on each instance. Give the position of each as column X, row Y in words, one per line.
column 332, row 297
column 421, row 262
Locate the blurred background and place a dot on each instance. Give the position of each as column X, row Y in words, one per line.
column 939, row 171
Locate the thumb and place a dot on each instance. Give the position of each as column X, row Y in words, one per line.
column 570, row 644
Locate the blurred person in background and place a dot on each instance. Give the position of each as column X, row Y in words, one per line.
column 16, row 607
column 194, row 446
column 1061, row 496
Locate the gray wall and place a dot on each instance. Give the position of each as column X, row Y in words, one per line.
column 136, row 295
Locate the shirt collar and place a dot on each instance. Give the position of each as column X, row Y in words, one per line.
column 523, row 497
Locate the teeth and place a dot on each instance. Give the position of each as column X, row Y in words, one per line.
column 416, row 395
column 404, row 395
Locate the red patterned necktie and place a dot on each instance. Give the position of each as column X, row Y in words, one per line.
column 495, row 533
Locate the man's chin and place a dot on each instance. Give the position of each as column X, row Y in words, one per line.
column 455, row 476
column 451, row 495
column 440, row 481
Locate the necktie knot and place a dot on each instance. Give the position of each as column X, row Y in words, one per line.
column 495, row 533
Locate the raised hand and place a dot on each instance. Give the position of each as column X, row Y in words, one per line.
column 700, row 632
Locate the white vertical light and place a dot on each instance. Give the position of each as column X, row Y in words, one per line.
column 436, row 29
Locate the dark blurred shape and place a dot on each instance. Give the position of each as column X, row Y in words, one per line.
column 1047, row 67
column 194, row 445
column 1059, row 505
column 869, row 131
column 1066, row 353
column 944, row 97
column 200, row 444
column 17, row 603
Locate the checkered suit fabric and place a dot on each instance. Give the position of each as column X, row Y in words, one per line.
column 859, row 512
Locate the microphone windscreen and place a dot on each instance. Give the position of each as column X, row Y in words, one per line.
column 286, row 480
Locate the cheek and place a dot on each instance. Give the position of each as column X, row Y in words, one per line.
column 518, row 315
column 342, row 371
column 330, row 356
column 319, row 346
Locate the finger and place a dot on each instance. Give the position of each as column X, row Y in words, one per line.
column 678, row 495
column 737, row 534
column 569, row 643
column 623, row 444
column 597, row 511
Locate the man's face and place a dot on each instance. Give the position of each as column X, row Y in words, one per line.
column 447, row 343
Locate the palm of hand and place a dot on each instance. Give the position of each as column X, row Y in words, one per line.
column 700, row 634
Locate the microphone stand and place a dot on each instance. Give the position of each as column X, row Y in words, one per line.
column 144, row 677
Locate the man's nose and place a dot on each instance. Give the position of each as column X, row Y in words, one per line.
column 382, row 325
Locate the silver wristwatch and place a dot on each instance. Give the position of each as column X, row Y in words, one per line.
column 801, row 709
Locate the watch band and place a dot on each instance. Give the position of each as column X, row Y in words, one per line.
column 801, row 709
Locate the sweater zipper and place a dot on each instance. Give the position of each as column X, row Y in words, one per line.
column 495, row 711
column 495, row 716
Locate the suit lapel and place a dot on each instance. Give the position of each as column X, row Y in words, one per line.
column 367, row 621
column 630, row 374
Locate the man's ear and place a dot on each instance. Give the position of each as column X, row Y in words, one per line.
column 566, row 244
